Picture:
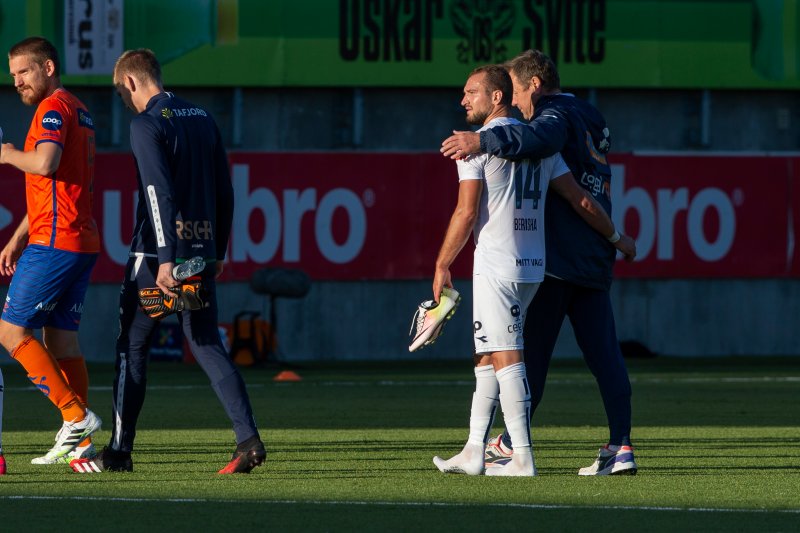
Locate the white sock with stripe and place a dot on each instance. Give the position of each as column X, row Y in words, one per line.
column 515, row 400
column 484, row 405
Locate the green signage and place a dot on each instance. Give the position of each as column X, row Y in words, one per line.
column 435, row 43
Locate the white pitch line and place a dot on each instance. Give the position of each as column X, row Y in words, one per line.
column 458, row 383
column 406, row 504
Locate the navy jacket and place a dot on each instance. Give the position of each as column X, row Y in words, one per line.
column 573, row 127
column 185, row 193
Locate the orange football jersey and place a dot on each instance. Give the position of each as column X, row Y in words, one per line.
column 60, row 206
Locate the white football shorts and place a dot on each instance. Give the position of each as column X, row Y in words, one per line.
column 499, row 308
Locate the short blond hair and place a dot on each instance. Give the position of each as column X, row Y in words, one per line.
column 141, row 63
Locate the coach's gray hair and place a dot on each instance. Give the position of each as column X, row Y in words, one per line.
column 532, row 63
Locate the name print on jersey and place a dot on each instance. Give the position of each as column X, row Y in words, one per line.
column 526, row 224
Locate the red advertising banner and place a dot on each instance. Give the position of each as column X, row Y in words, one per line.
column 378, row 216
column 793, row 169
column 706, row 216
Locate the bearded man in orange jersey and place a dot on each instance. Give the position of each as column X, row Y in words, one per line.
column 54, row 248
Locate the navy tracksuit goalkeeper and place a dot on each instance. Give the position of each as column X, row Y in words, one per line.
column 185, row 210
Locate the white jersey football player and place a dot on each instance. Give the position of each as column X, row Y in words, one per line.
column 502, row 203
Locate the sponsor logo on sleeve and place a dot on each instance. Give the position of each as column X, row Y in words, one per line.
column 85, row 119
column 52, row 120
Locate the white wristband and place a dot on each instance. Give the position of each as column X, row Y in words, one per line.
column 614, row 238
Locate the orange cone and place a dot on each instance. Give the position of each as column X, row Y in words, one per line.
column 287, row 375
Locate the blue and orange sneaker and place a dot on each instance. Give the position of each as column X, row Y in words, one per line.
column 612, row 461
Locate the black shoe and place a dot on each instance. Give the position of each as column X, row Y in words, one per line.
column 247, row 456
column 109, row 460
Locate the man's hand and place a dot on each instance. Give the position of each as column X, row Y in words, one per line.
column 165, row 281
column 5, row 150
column 627, row 246
column 441, row 278
column 461, row 144
column 9, row 257
column 13, row 250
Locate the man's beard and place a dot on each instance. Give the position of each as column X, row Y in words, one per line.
column 477, row 118
column 32, row 96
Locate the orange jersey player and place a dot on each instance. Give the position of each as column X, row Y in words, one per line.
column 60, row 205
column 54, row 248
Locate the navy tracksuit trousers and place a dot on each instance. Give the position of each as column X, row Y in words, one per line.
column 592, row 319
column 133, row 344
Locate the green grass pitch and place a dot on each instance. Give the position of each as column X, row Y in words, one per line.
column 350, row 448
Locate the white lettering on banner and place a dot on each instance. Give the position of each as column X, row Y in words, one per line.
column 295, row 206
column 707, row 198
column 262, row 199
column 351, row 203
column 296, row 203
column 668, row 204
column 116, row 247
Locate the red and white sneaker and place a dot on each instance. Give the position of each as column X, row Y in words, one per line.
column 497, row 453
column 612, row 461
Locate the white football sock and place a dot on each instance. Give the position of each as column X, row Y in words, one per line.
column 469, row 461
column 484, row 404
column 515, row 399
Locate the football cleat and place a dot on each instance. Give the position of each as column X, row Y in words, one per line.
column 429, row 320
column 497, row 453
column 71, row 435
column 612, row 461
column 247, row 456
column 2, row 465
column 189, row 268
column 109, row 460
column 81, row 452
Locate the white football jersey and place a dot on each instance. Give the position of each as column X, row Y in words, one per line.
column 509, row 232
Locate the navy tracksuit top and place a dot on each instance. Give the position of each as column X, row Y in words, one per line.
column 185, row 194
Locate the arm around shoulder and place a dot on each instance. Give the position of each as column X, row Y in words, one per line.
column 544, row 136
column 593, row 213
